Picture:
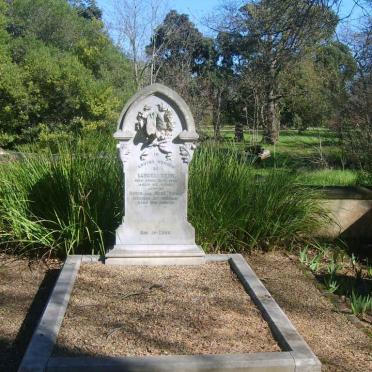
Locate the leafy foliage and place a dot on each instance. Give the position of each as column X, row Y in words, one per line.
column 59, row 70
column 179, row 45
column 231, row 209
column 316, row 86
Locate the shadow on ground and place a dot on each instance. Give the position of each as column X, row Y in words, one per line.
column 12, row 351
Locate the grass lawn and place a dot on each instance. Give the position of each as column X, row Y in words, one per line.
column 315, row 155
column 330, row 177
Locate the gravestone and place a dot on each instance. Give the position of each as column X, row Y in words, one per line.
column 157, row 138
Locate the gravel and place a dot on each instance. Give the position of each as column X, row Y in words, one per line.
column 128, row 311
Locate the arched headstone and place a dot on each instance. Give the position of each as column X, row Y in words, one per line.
column 157, row 138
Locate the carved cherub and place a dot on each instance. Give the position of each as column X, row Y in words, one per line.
column 157, row 126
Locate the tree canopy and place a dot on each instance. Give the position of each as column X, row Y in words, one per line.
column 271, row 63
column 60, row 72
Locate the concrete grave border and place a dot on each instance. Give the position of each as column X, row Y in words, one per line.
column 296, row 355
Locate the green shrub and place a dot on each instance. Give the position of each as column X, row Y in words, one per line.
column 58, row 71
column 71, row 202
column 232, row 209
column 68, row 202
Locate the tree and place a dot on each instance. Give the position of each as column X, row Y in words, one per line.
column 315, row 88
column 356, row 126
column 59, row 72
column 134, row 23
column 362, row 86
column 277, row 32
column 87, row 8
column 181, row 58
column 242, row 88
column 181, row 50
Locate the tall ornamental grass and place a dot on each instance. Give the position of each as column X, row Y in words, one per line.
column 65, row 203
column 232, row 209
column 70, row 202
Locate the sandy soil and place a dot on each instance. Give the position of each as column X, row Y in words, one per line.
column 163, row 310
column 335, row 340
column 24, row 289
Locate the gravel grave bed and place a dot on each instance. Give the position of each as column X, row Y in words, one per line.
column 133, row 311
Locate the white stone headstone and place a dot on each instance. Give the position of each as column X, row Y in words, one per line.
column 157, row 138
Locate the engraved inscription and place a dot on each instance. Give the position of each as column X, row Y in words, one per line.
column 156, row 232
column 154, row 186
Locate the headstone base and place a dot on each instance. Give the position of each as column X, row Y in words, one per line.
column 155, row 255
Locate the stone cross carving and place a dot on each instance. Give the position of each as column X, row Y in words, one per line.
column 157, row 139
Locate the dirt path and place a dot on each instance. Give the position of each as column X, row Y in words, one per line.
column 24, row 289
column 335, row 340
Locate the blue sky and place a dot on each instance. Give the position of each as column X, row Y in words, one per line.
column 185, row 6
column 198, row 9
column 195, row 5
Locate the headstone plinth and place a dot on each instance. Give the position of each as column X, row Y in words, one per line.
column 157, row 139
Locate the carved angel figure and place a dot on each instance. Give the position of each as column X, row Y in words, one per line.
column 157, row 126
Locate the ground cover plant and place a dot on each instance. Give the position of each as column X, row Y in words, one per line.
column 70, row 201
column 341, row 274
column 337, row 342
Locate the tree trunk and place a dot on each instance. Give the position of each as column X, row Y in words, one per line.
column 217, row 117
column 271, row 132
column 239, row 132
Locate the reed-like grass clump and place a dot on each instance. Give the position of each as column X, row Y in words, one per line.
column 66, row 203
column 70, row 202
column 233, row 209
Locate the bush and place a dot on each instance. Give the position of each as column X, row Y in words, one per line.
column 232, row 210
column 356, row 144
column 67, row 203
column 58, row 70
column 71, row 202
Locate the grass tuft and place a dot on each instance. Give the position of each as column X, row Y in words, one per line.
column 65, row 203
column 232, row 209
column 71, row 202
